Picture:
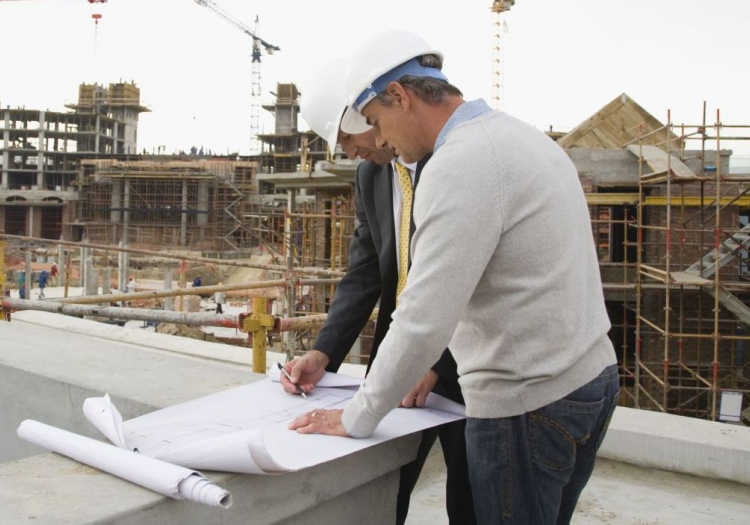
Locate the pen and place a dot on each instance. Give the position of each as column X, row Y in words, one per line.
column 299, row 388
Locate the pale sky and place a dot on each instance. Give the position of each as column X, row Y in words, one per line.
column 562, row 60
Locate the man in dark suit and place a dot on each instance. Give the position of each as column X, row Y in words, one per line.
column 372, row 275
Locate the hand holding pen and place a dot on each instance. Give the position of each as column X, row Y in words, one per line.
column 299, row 388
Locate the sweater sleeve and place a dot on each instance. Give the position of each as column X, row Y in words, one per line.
column 455, row 196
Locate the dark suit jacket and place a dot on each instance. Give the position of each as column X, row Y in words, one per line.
column 372, row 274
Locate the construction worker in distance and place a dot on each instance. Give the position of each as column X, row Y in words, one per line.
column 43, row 277
column 372, row 276
column 219, row 299
column 54, row 273
column 497, row 201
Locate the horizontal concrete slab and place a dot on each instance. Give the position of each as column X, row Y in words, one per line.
column 707, row 449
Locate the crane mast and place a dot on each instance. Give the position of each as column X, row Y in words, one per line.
column 498, row 25
column 258, row 43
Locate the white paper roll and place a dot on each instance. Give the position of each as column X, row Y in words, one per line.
column 153, row 474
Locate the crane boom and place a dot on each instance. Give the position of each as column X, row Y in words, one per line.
column 257, row 43
column 213, row 6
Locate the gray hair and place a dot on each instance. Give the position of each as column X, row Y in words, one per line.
column 431, row 90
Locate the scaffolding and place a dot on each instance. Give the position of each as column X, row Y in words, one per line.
column 172, row 204
column 692, row 277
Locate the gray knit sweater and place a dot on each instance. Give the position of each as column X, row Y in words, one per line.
column 504, row 272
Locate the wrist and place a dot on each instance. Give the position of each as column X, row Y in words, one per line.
column 320, row 358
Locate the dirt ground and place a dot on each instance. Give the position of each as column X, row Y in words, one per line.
column 145, row 270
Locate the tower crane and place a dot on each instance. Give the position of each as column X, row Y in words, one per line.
column 499, row 27
column 258, row 43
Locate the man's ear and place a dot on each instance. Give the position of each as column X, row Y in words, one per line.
column 398, row 93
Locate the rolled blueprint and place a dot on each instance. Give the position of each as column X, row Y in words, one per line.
column 165, row 478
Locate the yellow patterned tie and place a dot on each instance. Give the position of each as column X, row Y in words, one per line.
column 404, row 180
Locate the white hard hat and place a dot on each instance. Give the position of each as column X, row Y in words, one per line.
column 323, row 102
column 372, row 59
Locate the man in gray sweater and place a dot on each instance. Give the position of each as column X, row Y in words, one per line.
column 505, row 273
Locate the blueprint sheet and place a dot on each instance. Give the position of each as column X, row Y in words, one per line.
column 244, row 429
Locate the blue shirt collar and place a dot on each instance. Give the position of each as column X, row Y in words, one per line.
column 466, row 111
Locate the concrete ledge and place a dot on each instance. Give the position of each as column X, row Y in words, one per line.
column 46, row 373
column 679, row 444
column 360, row 488
column 226, row 354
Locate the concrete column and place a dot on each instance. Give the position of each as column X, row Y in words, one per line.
column 116, row 140
column 40, row 152
column 30, row 221
column 126, row 210
column 35, row 221
column 5, row 145
column 202, row 217
column 122, row 268
column 168, row 286
column 82, row 277
column 89, row 283
column 62, row 262
column 97, row 126
column 106, row 280
column 115, row 215
column 183, row 213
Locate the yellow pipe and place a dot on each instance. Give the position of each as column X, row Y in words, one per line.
column 614, row 199
column 258, row 324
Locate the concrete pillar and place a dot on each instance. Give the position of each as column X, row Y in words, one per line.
column 96, row 134
column 116, row 142
column 62, row 258
column 40, row 152
column 183, row 214
column 82, row 267
column 126, row 210
column 122, row 268
column 35, row 221
column 106, row 280
column 168, row 286
column 30, row 221
column 88, row 276
column 115, row 215
column 202, row 217
column 5, row 145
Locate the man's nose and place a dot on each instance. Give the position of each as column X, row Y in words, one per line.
column 381, row 142
column 350, row 151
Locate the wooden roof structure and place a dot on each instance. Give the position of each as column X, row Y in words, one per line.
column 618, row 124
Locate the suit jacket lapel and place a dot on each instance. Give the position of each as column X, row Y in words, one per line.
column 383, row 189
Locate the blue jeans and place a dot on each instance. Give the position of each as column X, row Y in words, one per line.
column 531, row 469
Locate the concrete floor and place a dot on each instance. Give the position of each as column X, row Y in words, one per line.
column 617, row 494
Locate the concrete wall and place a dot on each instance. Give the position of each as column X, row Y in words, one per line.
column 606, row 167
column 46, row 373
column 619, row 167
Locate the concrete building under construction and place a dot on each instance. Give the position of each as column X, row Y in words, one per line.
column 41, row 153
